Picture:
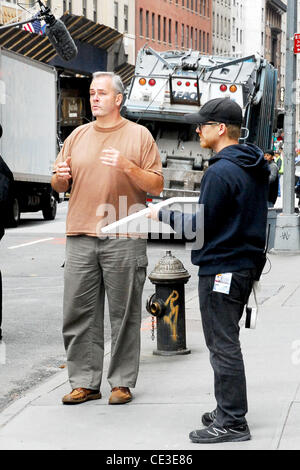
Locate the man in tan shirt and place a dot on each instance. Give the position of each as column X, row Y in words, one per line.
column 108, row 161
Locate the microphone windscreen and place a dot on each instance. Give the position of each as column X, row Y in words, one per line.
column 61, row 40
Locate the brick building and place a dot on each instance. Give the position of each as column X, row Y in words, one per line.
column 174, row 24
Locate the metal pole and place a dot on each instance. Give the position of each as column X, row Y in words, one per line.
column 290, row 112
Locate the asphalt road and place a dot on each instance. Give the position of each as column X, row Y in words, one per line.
column 31, row 257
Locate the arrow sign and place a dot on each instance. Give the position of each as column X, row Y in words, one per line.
column 297, row 44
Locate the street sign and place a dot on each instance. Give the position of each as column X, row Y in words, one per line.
column 297, row 44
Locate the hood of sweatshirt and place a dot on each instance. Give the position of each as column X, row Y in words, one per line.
column 248, row 156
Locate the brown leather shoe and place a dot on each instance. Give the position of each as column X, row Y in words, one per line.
column 80, row 395
column 119, row 396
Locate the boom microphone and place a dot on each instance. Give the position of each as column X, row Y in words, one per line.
column 58, row 35
column 61, row 40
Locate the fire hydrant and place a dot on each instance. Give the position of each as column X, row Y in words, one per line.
column 168, row 305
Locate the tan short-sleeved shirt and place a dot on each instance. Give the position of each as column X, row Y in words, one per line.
column 100, row 192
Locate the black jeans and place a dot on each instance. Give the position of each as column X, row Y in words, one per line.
column 221, row 314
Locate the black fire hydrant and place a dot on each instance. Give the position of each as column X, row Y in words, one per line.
column 168, row 305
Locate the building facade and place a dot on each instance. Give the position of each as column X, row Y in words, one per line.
column 254, row 33
column 221, row 19
column 237, row 34
column 10, row 11
column 275, row 9
column 174, row 24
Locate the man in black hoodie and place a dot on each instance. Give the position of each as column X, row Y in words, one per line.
column 233, row 195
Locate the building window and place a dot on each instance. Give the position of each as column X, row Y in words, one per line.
column 116, row 15
column 95, row 12
column 153, row 26
column 70, row 7
column 176, row 33
column 182, row 36
column 125, row 18
column 64, row 5
column 165, row 30
column 170, row 31
column 159, row 27
column 141, row 22
column 187, row 37
column 83, row 7
column 147, row 24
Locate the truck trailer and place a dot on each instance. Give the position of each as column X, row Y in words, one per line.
column 168, row 85
column 28, row 115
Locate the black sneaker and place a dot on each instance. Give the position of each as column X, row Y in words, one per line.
column 208, row 418
column 215, row 434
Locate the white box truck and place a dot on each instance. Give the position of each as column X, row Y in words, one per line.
column 28, row 115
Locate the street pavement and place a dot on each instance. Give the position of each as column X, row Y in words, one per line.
column 173, row 392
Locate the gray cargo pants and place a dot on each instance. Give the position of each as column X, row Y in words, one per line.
column 95, row 266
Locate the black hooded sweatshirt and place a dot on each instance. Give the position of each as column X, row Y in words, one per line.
column 234, row 194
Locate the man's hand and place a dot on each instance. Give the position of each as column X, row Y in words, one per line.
column 63, row 170
column 154, row 210
column 112, row 157
column 147, row 181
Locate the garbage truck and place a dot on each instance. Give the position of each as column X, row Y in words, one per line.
column 168, row 85
column 28, row 115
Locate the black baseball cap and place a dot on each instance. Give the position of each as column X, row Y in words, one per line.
column 217, row 110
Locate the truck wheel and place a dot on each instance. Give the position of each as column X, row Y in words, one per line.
column 49, row 212
column 14, row 215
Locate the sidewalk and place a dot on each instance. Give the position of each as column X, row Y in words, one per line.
column 173, row 392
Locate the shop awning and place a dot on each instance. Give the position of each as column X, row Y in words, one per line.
column 38, row 47
column 126, row 72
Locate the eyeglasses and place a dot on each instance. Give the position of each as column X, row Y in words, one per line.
column 199, row 126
